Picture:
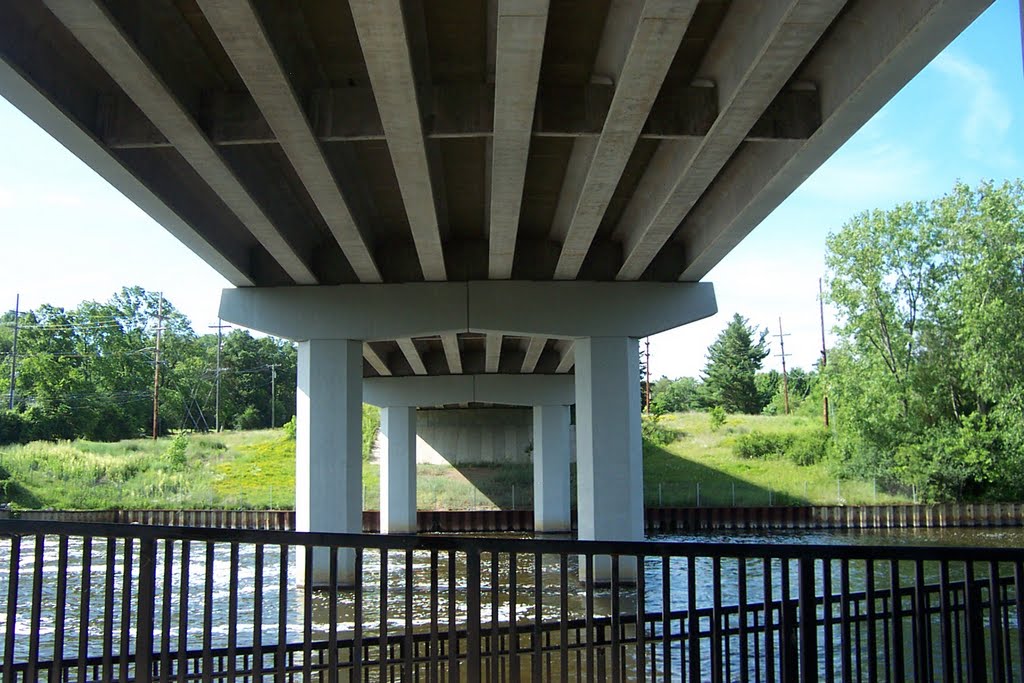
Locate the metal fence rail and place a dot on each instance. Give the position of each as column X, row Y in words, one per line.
column 129, row 602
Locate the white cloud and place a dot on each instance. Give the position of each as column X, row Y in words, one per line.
column 877, row 172
column 988, row 117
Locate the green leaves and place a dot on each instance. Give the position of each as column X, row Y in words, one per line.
column 733, row 361
column 931, row 303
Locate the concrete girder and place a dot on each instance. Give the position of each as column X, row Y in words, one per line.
column 100, row 35
column 381, row 27
column 30, row 100
column 466, row 110
column 855, row 81
column 492, row 351
column 247, row 44
column 450, row 342
column 753, row 55
column 375, row 361
column 440, row 390
column 639, row 43
column 412, row 355
column 533, row 352
column 568, row 356
column 517, row 308
column 521, row 25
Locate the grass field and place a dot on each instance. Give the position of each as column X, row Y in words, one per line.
column 256, row 470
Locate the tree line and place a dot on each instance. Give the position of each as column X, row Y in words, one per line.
column 734, row 381
column 88, row 372
column 926, row 378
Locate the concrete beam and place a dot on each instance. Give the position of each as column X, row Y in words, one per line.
column 242, row 36
column 450, row 343
column 586, row 309
column 466, row 110
column 492, row 351
column 857, row 72
column 381, row 26
column 375, row 361
column 753, row 55
column 31, row 101
column 517, row 308
column 440, row 390
column 568, row 356
column 521, row 25
column 639, row 43
column 91, row 24
column 412, row 355
column 533, row 352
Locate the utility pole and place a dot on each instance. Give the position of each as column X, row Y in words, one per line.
column 647, row 373
column 156, row 364
column 220, row 326
column 273, row 393
column 782, row 354
column 14, row 352
column 824, row 355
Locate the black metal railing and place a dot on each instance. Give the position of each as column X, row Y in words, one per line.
column 85, row 602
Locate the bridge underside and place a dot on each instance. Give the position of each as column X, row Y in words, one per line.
column 455, row 187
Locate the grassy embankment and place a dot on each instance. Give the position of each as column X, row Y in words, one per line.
column 256, row 470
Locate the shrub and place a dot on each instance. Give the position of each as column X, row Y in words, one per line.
column 175, row 454
column 655, row 433
column 371, row 424
column 808, row 448
column 249, row 418
column 13, row 427
column 763, row 445
column 716, row 418
column 289, row 428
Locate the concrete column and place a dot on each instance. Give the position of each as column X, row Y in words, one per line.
column 328, row 449
column 609, row 458
column 398, row 470
column 551, row 512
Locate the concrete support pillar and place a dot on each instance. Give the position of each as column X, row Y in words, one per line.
column 328, row 449
column 609, row 458
column 551, row 512
column 398, row 471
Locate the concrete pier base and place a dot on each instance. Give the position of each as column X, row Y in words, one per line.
column 551, row 448
column 609, row 458
column 328, row 450
column 398, row 470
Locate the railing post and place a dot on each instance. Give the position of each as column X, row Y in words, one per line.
column 808, row 622
column 144, row 612
column 473, row 664
column 976, row 669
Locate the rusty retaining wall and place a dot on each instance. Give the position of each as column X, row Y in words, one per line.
column 663, row 520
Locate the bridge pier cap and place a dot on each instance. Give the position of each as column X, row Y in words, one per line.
column 377, row 312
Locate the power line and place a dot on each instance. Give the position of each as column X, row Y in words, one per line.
column 220, row 342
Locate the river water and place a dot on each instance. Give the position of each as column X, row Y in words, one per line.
column 219, row 572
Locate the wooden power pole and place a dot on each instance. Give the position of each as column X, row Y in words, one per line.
column 824, row 355
column 220, row 326
column 14, row 352
column 647, row 375
column 156, row 364
column 782, row 354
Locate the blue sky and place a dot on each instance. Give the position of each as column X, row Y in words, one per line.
column 66, row 235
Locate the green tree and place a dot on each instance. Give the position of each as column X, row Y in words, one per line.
column 927, row 380
column 675, row 395
column 732, row 363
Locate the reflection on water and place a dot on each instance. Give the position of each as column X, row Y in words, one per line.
column 105, row 590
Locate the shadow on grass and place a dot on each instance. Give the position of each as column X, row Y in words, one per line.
column 673, row 481
column 669, row 481
column 13, row 493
